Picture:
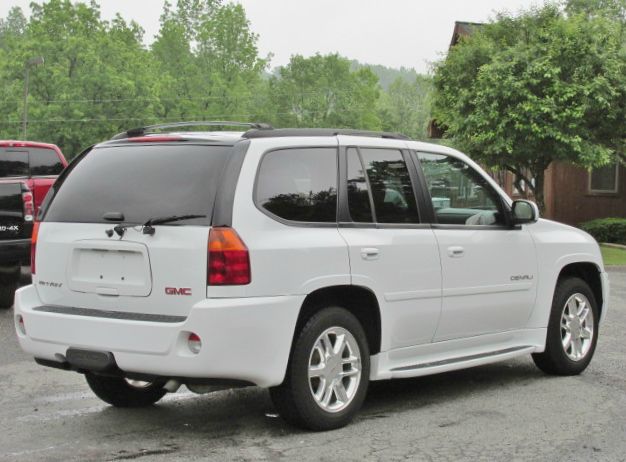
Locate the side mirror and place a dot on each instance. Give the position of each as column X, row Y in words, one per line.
column 524, row 212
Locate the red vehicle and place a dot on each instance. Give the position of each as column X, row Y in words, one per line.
column 27, row 170
column 37, row 165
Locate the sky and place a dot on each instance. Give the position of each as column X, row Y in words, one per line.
column 394, row 33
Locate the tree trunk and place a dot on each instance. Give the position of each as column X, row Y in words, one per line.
column 539, row 191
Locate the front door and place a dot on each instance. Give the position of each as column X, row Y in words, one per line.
column 489, row 269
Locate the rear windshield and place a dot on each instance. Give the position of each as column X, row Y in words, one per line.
column 21, row 162
column 141, row 182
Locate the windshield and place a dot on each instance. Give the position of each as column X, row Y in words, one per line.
column 141, row 182
column 13, row 163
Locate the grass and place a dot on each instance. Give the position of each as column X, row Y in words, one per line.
column 613, row 256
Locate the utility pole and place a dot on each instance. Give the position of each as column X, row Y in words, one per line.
column 30, row 63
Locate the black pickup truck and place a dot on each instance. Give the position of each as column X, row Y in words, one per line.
column 16, row 225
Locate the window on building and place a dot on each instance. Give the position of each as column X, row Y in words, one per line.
column 604, row 179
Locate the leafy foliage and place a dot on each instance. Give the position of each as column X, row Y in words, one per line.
column 528, row 90
column 611, row 230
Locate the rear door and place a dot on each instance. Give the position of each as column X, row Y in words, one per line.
column 91, row 251
column 391, row 251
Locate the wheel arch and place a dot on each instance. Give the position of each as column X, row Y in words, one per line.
column 358, row 300
column 590, row 273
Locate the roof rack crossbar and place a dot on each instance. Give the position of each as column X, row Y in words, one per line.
column 140, row 131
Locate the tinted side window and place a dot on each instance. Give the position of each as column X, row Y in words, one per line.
column 13, row 163
column 392, row 192
column 299, row 184
column 44, row 162
column 460, row 195
column 358, row 192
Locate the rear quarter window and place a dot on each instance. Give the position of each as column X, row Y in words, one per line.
column 299, row 184
column 13, row 163
column 141, row 182
column 44, row 162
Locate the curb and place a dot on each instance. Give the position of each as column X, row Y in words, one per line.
column 614, row 246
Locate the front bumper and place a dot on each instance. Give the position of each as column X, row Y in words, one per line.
column 605, row 294
column 243, row 339
column 15, row 251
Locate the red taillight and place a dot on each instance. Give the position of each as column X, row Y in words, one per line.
column 33, row 247
column 29, row 206
column 229, row 261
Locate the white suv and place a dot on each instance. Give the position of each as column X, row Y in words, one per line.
column 304, row 260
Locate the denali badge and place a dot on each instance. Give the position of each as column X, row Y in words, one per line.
column 524, row 277
column 177, row 291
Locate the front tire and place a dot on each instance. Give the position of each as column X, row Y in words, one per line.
column 572, row 330
column 120, row 392
column 328, row 372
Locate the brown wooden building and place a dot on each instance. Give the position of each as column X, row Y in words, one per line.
column 573, row 194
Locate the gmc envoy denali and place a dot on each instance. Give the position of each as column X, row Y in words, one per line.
column 307, row 261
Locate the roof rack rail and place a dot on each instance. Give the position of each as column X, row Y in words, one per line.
column 140, row 131
column 285, row 132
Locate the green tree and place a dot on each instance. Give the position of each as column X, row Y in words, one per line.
column 322, row 91
column 405, row 107
column 526, row 91
column 95, row 73
column 208, row 60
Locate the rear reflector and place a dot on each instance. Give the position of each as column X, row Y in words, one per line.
column 20, row 325
column 33, row 247
column 194, row 343
column 229, row 260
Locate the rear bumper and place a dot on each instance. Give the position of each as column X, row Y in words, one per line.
column 15, row 251
column 244, row 339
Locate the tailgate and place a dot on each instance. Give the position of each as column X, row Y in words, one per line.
column 12, row 224
column 78, row 266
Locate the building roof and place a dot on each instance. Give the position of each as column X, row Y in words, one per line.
column 463, row 29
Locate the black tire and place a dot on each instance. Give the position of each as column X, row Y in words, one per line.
column 294, row 400
column 119, row 393
column 9, row 282
column 554, row 360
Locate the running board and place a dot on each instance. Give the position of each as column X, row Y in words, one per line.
column 461, row 362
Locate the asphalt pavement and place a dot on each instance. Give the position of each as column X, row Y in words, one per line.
column 508, row 411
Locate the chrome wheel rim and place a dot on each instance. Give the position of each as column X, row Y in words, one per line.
column 577, row 327
column 334, row 369
column 137, row 383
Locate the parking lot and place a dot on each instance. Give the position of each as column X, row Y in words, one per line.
column 508, row 411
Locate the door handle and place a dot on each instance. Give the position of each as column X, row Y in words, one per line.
column 456, row 252
column 370, row 253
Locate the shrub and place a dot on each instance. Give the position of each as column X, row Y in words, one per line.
column 612, row 230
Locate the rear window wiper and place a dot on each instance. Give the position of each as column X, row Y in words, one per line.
column 148, row 226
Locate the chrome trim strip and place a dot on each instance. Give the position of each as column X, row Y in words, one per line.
column 494, row 289
column 123, row 315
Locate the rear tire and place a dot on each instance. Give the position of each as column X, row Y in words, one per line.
column 9, row 282
column 328, row 372
column 572, row 330
column 118, row 392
